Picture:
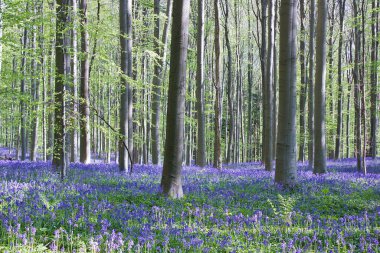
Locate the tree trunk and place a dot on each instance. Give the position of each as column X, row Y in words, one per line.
column 126, row 109
column 302, row 101
column 157, row 78
column 74, row 70
column 311, row 87
column 374, row 77
column 171, row 182
column 84, row 107
column 22, row 91
column 342, row 5
column 268, row 116
column 59, row 155
column 320, row 91
column 263, row 61
column 217, row 131
column 286, row 167
column 201, row 138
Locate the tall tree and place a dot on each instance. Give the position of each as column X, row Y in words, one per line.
column 217, row 103
column 320, row 91
column 342, row 5
column 126, row 126
column 311, row 86
column 286, row 167
column 201, row 138
column 74, row 70
column 59, row 154
column 171, row 182
column 22, row 92
column 374, row 76
column 84, row 108
column 302, row 101
column 268, row 104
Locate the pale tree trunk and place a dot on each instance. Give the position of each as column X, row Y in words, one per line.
column 362, row 91
column 217, row 131
column 84, row 105
column 171, row 181
column 34, row 95
column 303, row 89
column 286, row 167
column 374, row 77
column 320, row 92
column 126, row 125
column 268, row 116
column 201, row 138
column 59, row 155
column 22, row 92
column 74, row 70
column 1, row 33
column 311, row 87
column 342, row 5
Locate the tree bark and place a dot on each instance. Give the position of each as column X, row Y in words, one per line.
column 311, row 86
column 171, row 182
column 374, row 77
column 59, row 155
column 268, row 116
column 217, row 119
column 320, row 91
column 84, row 106
column 342, row 5
column 286, row 167
column 126, row 125
column 201, row 138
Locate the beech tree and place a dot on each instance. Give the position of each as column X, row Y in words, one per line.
column 286, row 167
column 320, row 92
column 171, row 181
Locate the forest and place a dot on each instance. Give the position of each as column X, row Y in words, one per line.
column 189, row 126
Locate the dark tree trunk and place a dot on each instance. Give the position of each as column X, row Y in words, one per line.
column 201, row 138
column 171, row 182
column 59, row 155
column 374, row 77
column 84, row 108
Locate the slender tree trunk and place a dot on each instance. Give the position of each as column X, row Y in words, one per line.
column 302, row 101
column 126, row 125
column 217, row 131
column 311, row 86
column 263, row 59
column 171, row 181
column 84, row 106
column 363, row 91
column 374, row 77
column 342, row 5
column 59, row 155
column 286, row 167
column 201, row 138
column 74, row 135
column 268, row 116
column 22, row 91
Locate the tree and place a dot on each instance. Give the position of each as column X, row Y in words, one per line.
column 374, row 76
column 268, row 104
column 217, row 134
column 320, row 92
column 201, row 138
column 157, row 79
column 286, row 167
column 171, row 182
column 126, row 125
column 311, row 86
column 342, row 4
column 59, row 155
column 84, row 108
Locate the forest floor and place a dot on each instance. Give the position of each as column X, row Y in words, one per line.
column 237, row 209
